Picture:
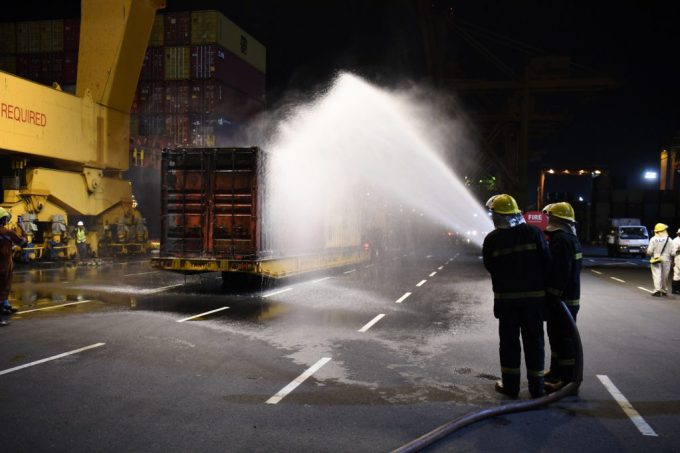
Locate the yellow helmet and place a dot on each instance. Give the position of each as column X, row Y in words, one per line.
column 659, row 227
column 503, row 204
column 4, row 213
column 562, row 210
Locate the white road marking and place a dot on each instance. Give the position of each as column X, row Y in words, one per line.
column 645, row 289
column 433, row 274
column 428, row 256
column 141, row 273
column 402, row 298
column 322, row 279
column 421, row 283
column 297, row 381
column 54, row 306
column 628, row 408
column 203, row 314
column 350, row 271
column 369, row 265
column 372, row 322
column 596, row 272
column 54, row 357
column 591, row 260
column 618, row 279
column 277, row 292
column 440, row 268
column 404, row 256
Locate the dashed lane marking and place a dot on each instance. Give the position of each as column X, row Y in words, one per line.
column 372, row 322
column 322, row 279
column 54, row 357
column 349, row 271
column 628, row 408
column 645, row 289
column 428, row 256
column 433, row 274
column 440, row 268
column 402, row 298
column 54, row 306
column 203, row 314
column 368, row 266
column 297, row 381
column 618, row 279
column 421, row 283
column 277, row 292
column 596, row 272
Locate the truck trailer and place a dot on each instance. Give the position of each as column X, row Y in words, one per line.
column 216, row 217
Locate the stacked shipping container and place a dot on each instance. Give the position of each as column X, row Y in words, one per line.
column 203, row 77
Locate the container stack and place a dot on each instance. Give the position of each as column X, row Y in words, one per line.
column 203, row 78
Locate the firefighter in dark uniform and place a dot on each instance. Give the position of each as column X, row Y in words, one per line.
column 564, row 284
column 517, row 257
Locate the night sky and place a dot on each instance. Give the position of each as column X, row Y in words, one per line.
column 634, row 42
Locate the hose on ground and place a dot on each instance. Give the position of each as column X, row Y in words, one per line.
column 518, row 406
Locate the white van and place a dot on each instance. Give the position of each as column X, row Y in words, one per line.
column 629, row 240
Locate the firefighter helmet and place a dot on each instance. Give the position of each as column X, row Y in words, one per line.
column 503, row 204
column 562, row 210
column 659, row 227
column 80, row 223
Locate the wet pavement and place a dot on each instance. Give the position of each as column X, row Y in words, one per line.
column 122, row 357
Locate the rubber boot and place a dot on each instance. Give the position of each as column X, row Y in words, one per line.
column 536, row 387
column 509, row 385
column 675, row 285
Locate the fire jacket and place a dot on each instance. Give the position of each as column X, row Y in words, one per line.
column 564, row 281
column 518, row 260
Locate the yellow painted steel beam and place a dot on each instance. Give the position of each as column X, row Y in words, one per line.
column 114, row 35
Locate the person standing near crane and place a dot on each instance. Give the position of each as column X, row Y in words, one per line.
column 8, row 239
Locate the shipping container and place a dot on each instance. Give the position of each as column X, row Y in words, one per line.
column 177, row 63
column 154, row 63
column 177, row 29
column 177, row 96
column 51, row 36
column 28, row 37
column 70, row 74
column 213, row 96
column 8, row 63
column 151, row 126
column 71, row 35
column 29, row 66
column 8, row 38
column 215, row 216
column 211, row 61
column 177, row 129
column 157, row 37
column 211, row 27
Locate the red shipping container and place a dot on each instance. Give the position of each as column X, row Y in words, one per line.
column 213, row 96
column 70, row 68
column 211, row 61
column 177, row 96
column 71, row 35
column 177, row 29
column 153, row 67
column 177, row 129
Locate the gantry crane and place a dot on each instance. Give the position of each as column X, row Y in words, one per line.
column 63, row 155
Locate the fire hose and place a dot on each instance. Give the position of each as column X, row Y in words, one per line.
column 518, row 406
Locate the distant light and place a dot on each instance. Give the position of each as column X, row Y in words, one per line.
column 597, row 172
column 650, row 175
column 551, row 171
column 566, row 171
column 580, row 198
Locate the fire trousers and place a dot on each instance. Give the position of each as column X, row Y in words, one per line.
column 562, row 343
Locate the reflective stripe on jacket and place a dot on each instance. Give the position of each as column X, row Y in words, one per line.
column 564, row 281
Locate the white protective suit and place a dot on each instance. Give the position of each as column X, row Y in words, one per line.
column 661, row 246
column 676, row 260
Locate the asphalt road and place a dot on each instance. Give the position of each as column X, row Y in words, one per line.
column 310, row 365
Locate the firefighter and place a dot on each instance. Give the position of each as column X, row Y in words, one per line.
column 517, row 257
column 564, row 285
column 81, row 241
column 661, row 250
column 8, row 239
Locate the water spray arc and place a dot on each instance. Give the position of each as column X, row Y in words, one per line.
column 519, row 406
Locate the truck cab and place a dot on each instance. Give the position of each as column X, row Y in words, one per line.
column 628, row 240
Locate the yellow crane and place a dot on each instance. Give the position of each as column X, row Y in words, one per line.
column 67, row 152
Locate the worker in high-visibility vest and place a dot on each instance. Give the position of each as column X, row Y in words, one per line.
column 517, row 257
column 564, row 285
column 8, row 239
column 81, row 241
